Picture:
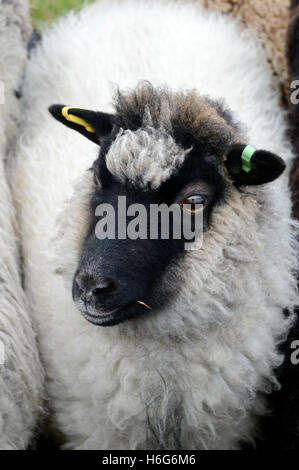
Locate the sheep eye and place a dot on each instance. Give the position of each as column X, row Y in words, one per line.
column 195, row 203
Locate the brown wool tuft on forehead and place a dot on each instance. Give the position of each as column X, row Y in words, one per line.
column 182, row 113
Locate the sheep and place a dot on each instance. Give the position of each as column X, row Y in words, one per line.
column 21, row 375
column 190, row 357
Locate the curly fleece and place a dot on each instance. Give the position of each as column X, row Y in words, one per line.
column 196, row 374
column 21, row 376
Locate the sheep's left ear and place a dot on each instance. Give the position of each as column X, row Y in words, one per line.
column 248, row 166
column 92, row 124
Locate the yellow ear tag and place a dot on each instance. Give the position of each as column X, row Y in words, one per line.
column 76, row 119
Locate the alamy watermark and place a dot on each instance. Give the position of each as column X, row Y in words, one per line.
column 295, row 354
column 156, row 221
column 295, row 94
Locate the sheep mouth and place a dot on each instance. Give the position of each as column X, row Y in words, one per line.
column 102, row 319
column 113, row 317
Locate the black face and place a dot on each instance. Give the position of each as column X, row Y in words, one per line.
column 119, row 279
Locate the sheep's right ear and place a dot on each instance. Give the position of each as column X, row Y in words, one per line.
column 248, row 166
column 92, row 124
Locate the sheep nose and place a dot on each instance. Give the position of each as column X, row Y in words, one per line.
column 90, row 288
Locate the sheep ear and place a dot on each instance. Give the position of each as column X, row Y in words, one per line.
column 248, row 166
column 92, row 124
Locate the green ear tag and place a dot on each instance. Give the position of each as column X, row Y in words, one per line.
column 246, row 157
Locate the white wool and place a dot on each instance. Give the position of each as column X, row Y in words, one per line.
column 201, row 364
column 21, row 375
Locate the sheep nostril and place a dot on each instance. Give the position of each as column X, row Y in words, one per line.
column 90, row 288
column 97, row 291
column 102, row 286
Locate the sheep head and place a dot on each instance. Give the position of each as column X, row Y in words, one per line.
column 160, row 147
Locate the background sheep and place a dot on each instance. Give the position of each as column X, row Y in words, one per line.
column 269, row 19
column 195, row 374
column 292, row 55
column 21, row 375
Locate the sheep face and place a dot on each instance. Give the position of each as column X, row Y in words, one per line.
column 174, row 149
column 116, row 273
